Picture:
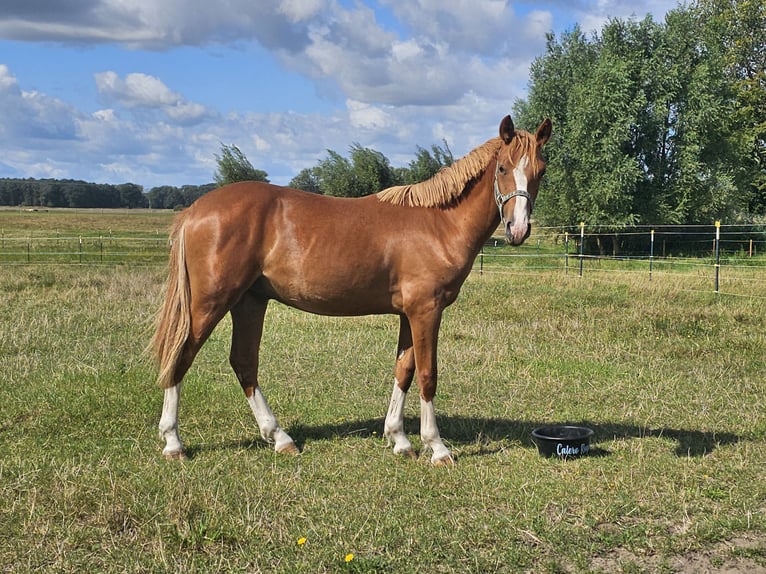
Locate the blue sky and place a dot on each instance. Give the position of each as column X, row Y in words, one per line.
column 146, row 91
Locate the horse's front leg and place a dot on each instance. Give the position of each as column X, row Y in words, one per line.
column 247, row 327
column 404, row 370
column 425, row 332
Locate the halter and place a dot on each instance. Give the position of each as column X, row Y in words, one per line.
column 501, row 199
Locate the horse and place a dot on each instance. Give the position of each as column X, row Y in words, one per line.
column 405, row 251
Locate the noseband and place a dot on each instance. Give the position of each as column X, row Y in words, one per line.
column 501, row 199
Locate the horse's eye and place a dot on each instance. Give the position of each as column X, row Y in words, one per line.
column 501, row 169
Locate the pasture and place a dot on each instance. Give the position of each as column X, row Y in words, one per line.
column 671, row 379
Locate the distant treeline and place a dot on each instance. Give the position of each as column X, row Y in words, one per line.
column 82, row 194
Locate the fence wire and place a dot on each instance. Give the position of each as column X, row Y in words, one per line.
column 730, row 259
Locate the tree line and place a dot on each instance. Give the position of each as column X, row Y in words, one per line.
column 364, row 172
column 82, row 194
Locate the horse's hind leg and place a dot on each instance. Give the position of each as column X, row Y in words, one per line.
column 203, row 325
column 404, row 371
column 247, row 327
column 174, row 447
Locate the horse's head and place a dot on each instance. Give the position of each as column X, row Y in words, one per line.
column 520, row 167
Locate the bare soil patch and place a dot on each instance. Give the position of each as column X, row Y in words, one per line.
column 744, row 554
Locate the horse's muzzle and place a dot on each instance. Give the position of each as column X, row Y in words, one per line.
column 517, row 234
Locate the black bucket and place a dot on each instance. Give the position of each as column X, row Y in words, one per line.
column 563, row 441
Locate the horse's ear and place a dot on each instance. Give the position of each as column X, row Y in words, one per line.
column 507, row 131
column 544, row 132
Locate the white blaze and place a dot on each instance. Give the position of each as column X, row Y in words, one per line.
column 521, row 210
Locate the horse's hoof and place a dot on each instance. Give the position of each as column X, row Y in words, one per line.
column 410, row 453
column 175, row 455
column 444, row 461
column 289, row 448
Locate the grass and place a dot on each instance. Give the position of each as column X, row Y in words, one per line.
column 82, row 222
column 84, row 236
column 671, row 380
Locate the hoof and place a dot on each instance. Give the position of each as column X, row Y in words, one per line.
column 289, row 448
column 175, row 455
column 444, row 461
column 410, row 453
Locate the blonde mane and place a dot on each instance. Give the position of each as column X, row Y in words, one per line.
column 449, row 183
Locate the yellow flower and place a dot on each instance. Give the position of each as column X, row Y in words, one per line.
column 349, row 557
column 301, row 541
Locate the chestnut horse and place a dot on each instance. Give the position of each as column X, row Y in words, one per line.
column 405, row 251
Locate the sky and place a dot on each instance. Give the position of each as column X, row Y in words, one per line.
column 147, row 91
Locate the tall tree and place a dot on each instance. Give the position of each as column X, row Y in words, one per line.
column 646, row 124
column 427, row 163
column 233, row 166
column 307, row 180
column 365, row 172
column 739, row 28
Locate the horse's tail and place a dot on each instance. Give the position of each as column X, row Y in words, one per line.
column 174, row 318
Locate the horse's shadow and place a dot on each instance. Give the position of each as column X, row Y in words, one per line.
column 460, row 430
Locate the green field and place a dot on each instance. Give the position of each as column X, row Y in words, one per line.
column 670, row 377
column 85, row 236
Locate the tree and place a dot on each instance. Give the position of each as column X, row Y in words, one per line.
column 165, row 197
column 233, row 166
column 372, row 170
column 427, row 163
column 739, row 28
column 132, row 196
column 646, row 128
column 191, row 193
column 307, row 180
column 366, row 172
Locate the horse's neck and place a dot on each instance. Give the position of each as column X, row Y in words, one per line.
column 476, row 215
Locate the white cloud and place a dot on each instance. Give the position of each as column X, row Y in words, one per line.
column 369, row 117
column 592, row 16
column 322, row 39
column 31, row 114
column 7, row 81
column 301, row 10
column 136, row 90
column 144, row 91
column 424, row 71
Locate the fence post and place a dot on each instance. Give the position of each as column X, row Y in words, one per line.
column 566, row 253
column 582, row 243
column 481, row 261
column 717, row 252
column 81, row 249
column 651, row 255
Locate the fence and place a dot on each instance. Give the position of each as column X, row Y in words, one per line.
column 86, row 250
column 727, row 259
column 715, row 257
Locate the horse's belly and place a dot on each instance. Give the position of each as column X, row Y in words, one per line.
column 329, row 297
